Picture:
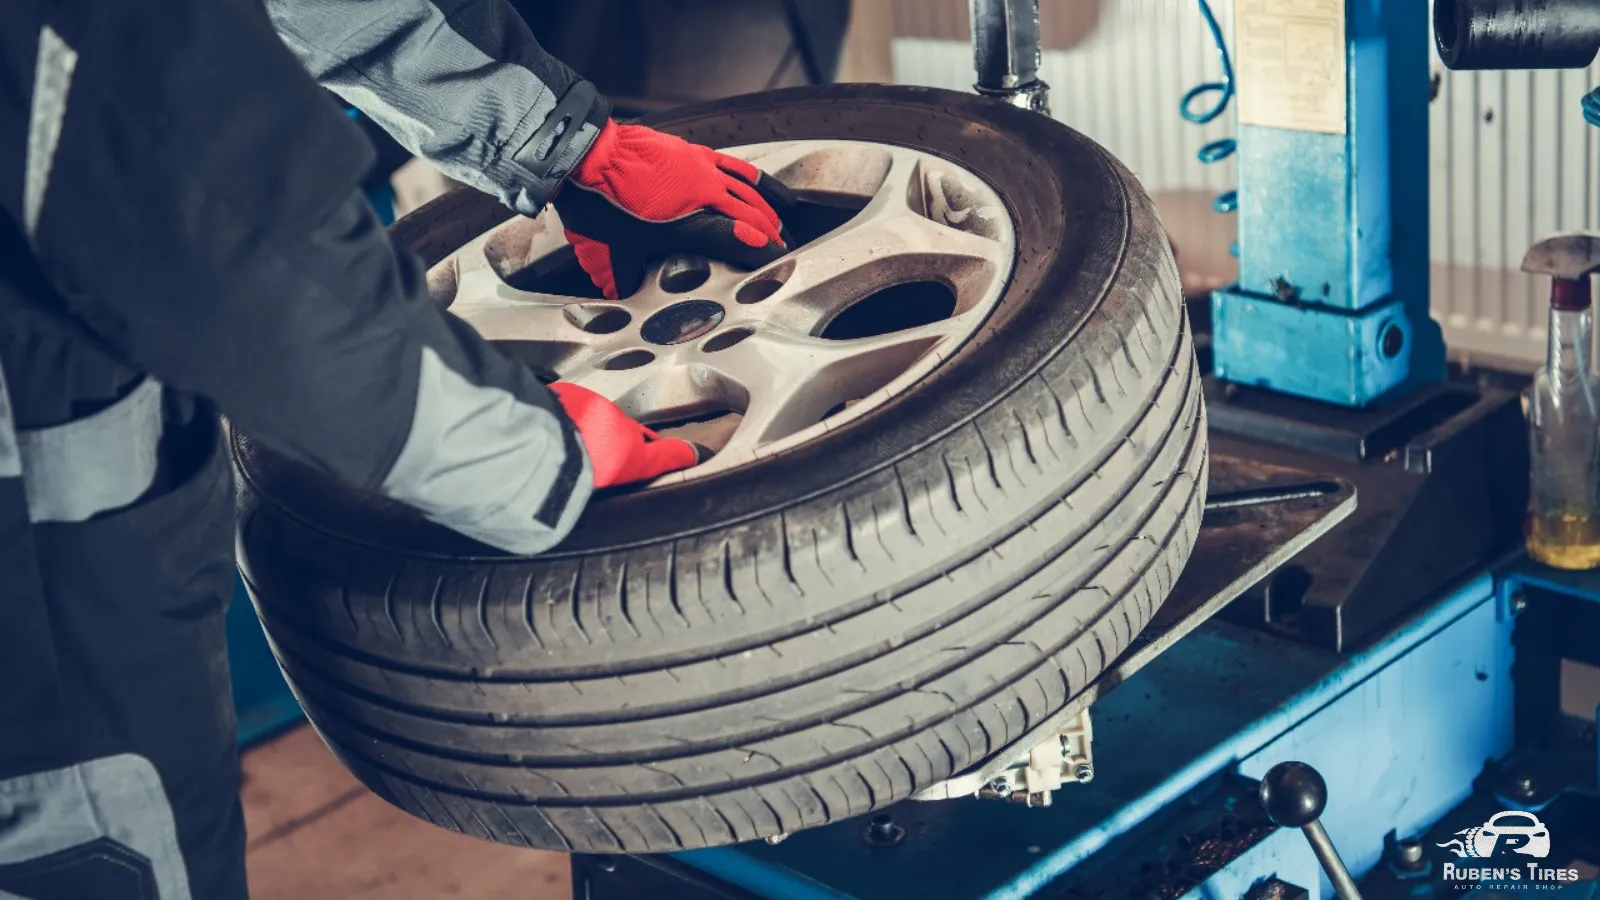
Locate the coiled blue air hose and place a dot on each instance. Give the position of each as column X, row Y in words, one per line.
column 1591, row 107
column 1218, row 150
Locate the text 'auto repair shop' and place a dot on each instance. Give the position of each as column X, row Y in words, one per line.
column 799, row 449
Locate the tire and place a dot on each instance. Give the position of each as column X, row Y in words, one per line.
column 807, row 638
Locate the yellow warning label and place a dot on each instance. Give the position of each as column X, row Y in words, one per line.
column 1289, row 62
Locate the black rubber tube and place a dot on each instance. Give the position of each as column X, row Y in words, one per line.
column 1517, row 34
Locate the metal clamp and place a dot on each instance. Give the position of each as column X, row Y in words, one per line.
column 1005, row 52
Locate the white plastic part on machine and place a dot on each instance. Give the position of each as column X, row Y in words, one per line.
column 1066, row 758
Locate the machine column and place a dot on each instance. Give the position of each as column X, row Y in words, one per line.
column 1332, row 298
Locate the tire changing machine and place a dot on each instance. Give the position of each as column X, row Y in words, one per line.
column 1357, row 651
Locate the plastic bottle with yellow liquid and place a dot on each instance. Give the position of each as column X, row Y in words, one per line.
column 1563, row 524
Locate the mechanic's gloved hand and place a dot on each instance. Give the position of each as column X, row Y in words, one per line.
column 621, row 451
column 639, row 195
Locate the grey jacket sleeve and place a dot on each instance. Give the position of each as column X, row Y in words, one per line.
column 192, row 196
column 461, row 83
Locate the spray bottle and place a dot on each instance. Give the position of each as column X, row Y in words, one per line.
column 1563, row 524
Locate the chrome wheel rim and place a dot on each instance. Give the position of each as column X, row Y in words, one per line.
column 914, row 254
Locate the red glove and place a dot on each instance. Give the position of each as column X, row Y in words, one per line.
column 639, row 195
column 621, row 451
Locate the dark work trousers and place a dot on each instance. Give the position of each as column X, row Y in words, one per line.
column 119, row 771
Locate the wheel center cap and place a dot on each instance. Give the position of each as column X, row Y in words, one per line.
column 682, row 322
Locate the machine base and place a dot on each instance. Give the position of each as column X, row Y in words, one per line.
column 1443, row 480
column 1346, row 358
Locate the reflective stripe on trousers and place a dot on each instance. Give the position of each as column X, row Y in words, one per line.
column 95, row 464
column 104, row 825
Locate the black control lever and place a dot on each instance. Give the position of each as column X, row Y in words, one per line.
column 1294, row 795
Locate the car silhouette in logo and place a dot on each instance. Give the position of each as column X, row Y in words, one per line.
column 1512, row 831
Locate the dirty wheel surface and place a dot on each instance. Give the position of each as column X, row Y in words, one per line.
column 961, row 461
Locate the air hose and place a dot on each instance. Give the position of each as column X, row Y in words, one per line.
column 1218, row 150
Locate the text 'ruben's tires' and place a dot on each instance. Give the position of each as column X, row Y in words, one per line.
column 839, row 615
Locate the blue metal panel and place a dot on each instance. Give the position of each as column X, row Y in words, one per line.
column 261, row 699
column 1334, row 718
column 1219, row 696
column 1306, row 351
column 1582, row 585
column 1216, row 682
column 1298, row 213
column 1332, row 226
column 1398, row 751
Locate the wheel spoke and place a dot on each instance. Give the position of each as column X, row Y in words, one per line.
column 791, row 380
column 659, row 392
column 900, row 236
column 775, row 158
column 539, row 333
column 630, row 388
column 514, row 316
column 549, row 331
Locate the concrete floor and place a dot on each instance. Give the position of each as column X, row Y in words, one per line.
column 315, row 832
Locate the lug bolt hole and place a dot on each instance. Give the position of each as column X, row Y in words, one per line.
column 684, row 273
column 597, row 319
column 725, row 340
column 629, row 359
column 757, row 291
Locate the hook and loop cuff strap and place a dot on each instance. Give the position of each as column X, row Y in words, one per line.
column 550, row 141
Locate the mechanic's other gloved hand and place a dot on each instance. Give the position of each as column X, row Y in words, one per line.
column 639, row 195
column 621, row 451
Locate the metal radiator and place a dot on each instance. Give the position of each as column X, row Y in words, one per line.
column 1511, row 157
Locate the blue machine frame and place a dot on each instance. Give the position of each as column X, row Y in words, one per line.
column 1332, row 298
column 1404, row 746
column 1400, row 731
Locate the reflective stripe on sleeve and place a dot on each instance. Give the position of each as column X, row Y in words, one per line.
column 52, row 80
column 484, row 463
column 10, row 455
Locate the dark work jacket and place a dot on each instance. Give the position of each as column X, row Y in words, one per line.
column 182, row 233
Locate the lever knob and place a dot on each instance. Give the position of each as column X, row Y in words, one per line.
column 1294, row 795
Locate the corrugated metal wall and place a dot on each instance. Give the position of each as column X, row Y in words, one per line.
column 1511, row 157
column 1511, row 160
